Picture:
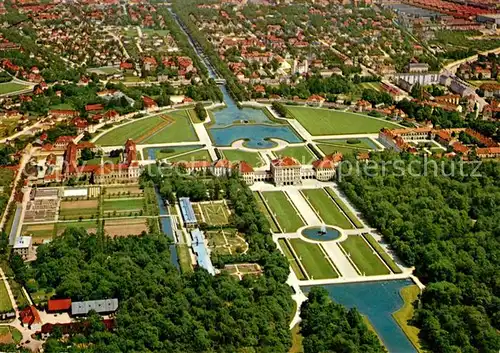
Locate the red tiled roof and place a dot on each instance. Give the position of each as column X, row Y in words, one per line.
column 285, row 162
column 244, row 167
column 93, row 107
column 59, row 304
column 30, row 315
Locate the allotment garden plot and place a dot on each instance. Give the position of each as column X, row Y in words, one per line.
column 78, row 209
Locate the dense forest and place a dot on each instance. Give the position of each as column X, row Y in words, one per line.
column 445, row 224
column 330, row 327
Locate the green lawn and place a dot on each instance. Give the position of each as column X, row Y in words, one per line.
column 62, row 226
column 326, row 208
column 123, row 205
column 10, row 87
column 263, row 209
column 184, row 258
column 76, row 213
column 370, row 85
column 215, row 214
column 167, row 152
column 328, row 149
column 344, row 208
column 178, row 131
column 284, row 211
column 387, row 259
column 198, row 155
column 301, row 153
column 252, row 158
column 363, row 256
column 403, row 315
column 332, row 122
column 5, row 304
column 363, row 143
column 313, row 259
column 291, row 259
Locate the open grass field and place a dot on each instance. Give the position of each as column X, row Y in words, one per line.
column 62, row 106
column 363, row 143
column 301, row 153
column 215, row 213
column 263, row 209
column 363, row 257
column 345, row 150
column 326, row 208
column 370, row 85
column 344, row 208
column 10, row 334
column 9, row 87
column 313, row 259
column 226, row 241
column 387, row 259
column 409, row 295
column 125, row 227
column 251, row 158
column 161, row 128
column 5, row 304
column 294, row 264
column 122, row 191
column 285, row 213
column 39, row 232
column 106, row 160
column 332, row 122
column 199, row 155
column 119, row 205
column 168, row 152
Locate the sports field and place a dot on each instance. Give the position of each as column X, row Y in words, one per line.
column 301, row 153
column 5, row 304
column 294, row 264
column 363, row 256
column 344, row 208
column 283, row 210
column 263, row 209
column 161, row 128
column 10, row 87
column 120, row 205
column 326, row 208
column 199, row 155
column 313, row 259
column 331, row 122
column 215, row 213
column 251, row 158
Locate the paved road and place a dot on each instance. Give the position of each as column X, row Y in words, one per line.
column 305, row 210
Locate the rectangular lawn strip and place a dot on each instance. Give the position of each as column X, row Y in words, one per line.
column 301, row 153
column 39, row 231
column 285, row 213
column 132, row 204
column 106, row 160
column 5, row 304
column 181, row 130
column 199, row 155
column 10, row 87
column 385, row 256
column 326, row 208
column 330, row 122
column 344, row 208
column 184, row 255
column 134, row 130
column 167, row 152
column 362, row 255
column 328, row 149
column 403, row 315
column 265, row 211
column 75, row 213
column 251, row 158
column 362, row 142
column 313, row 259
column 292, row 260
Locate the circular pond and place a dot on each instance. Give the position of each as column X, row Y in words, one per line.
column 323, row 233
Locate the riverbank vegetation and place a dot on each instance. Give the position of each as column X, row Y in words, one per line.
column 448, row 228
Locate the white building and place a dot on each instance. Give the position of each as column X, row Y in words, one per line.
column 23, row 247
